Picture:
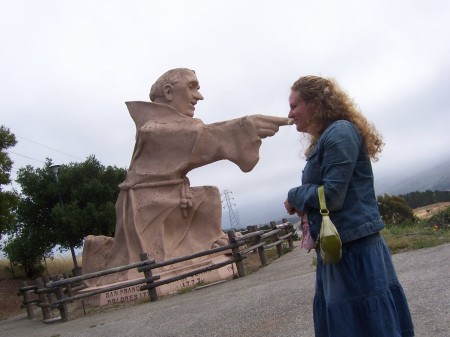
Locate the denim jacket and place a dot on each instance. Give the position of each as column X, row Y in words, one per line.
column 339, row 162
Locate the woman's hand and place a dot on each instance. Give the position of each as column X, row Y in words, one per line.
column 289, row 208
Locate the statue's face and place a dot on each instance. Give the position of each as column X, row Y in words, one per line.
column 185, row 93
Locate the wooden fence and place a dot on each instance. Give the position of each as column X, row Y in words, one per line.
column 56, row 292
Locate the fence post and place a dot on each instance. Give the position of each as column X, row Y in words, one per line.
column 51, row 296
column 261, row 251
column 69, row 286
column 289, row 229
column 236, row 254
column 46, row 312
column 273, row 224
column 26, row 300
column 148, row 274
column 251, row 229
column 63, row 310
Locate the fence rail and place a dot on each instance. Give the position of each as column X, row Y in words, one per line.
column 58, row 292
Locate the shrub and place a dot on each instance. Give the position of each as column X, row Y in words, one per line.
column 440, row 220
column 394, row 210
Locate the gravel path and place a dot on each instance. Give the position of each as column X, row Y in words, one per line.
column 275, row 301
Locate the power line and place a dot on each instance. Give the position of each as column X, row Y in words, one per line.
column 18, row 154
column 48, row 147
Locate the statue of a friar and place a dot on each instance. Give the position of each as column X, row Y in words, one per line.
column 157, row 212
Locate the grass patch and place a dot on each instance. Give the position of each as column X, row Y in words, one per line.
column 58, row 265
column 271, row 254
column 185, row 290
column 414, row 236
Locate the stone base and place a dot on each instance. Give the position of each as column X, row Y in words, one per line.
column 134, row 293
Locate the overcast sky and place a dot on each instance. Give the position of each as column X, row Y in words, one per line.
column 67, row 67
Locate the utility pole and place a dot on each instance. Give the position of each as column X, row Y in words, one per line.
column 76, row 269
column 229, row 203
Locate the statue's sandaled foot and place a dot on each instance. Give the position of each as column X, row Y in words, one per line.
column 222, row 241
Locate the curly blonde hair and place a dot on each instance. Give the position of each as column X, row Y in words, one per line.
column 330, row 103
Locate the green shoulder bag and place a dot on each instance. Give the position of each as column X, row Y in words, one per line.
column 329, row 241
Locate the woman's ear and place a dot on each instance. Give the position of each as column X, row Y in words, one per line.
column 167, row 90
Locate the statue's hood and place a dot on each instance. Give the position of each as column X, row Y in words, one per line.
column 142, row 112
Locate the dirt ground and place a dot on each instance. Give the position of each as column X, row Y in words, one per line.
column 430, row 210
column 9, row 301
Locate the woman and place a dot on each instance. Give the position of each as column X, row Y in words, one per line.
column 361, row 295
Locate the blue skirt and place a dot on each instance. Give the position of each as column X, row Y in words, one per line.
column 361, row 295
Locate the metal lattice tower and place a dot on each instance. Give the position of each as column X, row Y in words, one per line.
column 229, row 203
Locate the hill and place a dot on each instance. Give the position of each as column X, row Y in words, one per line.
column 430, row 210
column 434, row 178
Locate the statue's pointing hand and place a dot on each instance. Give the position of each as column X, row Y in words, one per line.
column 267, row 126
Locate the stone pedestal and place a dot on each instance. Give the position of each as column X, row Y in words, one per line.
column 133, row 293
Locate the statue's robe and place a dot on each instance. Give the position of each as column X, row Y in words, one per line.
column 157, row 212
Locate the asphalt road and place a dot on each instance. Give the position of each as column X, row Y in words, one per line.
column 275, row 301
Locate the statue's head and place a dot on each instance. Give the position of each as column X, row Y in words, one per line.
column 178, row 88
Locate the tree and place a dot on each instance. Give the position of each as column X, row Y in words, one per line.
column 80, row 203
column 420, row 199
column 26, row 250
column 8, row 199
column 394, row 210
column 34, row 231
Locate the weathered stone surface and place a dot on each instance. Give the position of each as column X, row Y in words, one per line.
column 157, row 212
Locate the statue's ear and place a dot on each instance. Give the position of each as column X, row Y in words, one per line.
column 167, row 90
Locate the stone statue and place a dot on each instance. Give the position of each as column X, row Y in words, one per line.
column 157, row 211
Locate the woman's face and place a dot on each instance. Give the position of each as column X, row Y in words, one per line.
column 300, row 111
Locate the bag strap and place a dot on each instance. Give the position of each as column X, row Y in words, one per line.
column 323, row 204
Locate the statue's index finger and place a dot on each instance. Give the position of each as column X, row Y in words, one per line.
column 280, row 121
